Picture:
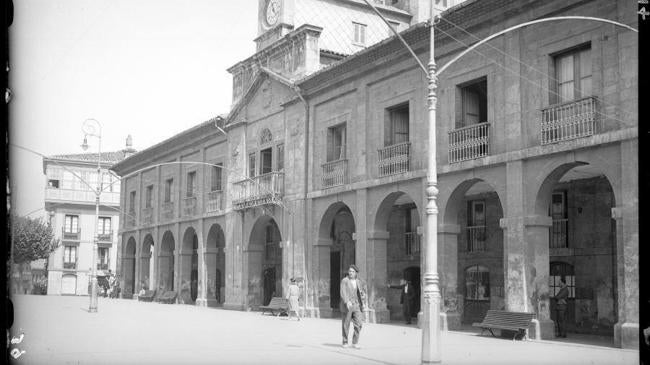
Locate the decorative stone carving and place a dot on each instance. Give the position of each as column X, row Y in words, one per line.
column 266, row 136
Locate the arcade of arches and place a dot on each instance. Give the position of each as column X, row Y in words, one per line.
column 488, row 258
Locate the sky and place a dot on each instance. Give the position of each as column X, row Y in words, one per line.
column 148, row 68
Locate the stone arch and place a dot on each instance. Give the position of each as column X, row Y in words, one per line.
column 265, row 258
column 189, row 267
column 128, row 265
column 215, row 262
column 165, row 265
column 147, row 263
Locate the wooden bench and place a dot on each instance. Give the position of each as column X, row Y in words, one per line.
column 518, row 322
column 147, row 296
column 169, row 297
column 277, row 304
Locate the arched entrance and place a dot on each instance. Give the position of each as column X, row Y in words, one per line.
column 166, row 263
column 400, row 246
column 337, row 251
column 190, row 267
column 264, row 262
column 147, row 263
column 215, row 260
column 477, row 281
column 129, row 268
column 582, row 246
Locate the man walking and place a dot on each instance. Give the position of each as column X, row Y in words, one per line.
column 560, row 308
column 353, row 296
column 406, row 299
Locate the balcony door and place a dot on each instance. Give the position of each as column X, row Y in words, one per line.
column 266, row 161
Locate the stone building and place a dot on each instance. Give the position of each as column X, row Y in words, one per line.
column 321, row 162
column 71, row 181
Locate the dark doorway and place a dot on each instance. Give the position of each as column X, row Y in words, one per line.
column 335, row 279
column 217, row 286
column 412, row 274
column 194, row 274
column 562, row 270
column 269, row 285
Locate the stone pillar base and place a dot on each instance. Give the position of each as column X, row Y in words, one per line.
column 135, row 297
column 444, row 325
column 626, row 335
column 377, row 315
column 312, row 312
column 201, row 302
column 543, row 329
column 234, row 306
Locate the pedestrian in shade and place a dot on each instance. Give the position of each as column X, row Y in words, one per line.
column 353, row 297
column 406, row 299
column 560, row 308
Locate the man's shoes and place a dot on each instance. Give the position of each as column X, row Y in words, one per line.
column 345, row 346
column 356, row 346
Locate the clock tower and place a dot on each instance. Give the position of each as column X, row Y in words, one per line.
column 275, row 19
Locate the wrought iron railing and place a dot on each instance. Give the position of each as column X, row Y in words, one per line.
column 215, row 201
column 189, row 206
column 469, row 143
column 167, row 210
column 70, row 235
column 273, row 252
column 70, row 265
column 147, row 216
column 476, row 238
column 566, row 121
column 259, row 190
column 101, row 266
column 394, row 159
column 335, row 173
column 105, row 237
column 412, row 243
column 559, row 234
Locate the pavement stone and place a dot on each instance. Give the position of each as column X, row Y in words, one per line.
column 59, row 330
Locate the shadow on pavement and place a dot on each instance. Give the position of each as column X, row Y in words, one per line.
column 353, row 353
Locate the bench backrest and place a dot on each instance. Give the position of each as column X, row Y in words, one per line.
column 514, row 319
column 278, row 302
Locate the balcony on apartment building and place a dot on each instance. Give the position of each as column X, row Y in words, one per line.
column 259, row 190
column 189, row 206
column 476, row 238
column 335, row 173
column 80, row 196
column 215, row 201
column 469, row 143
column 570, row 120
column 69, row 265
column 71, row 235
column 394, row 159
column 106, row 237
column 102, row 266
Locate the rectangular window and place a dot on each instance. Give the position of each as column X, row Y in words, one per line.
column 53, row 184
column 336, row 137
column 71, row 223
column 572, row 75
column 476, row 227
column 132, row 202
column 359, row 33
column 191, row 184
column 169, row 184
column 104, row 225
column 217, row 171
column 473, row 103
column 280, row 163
column 70, row 254
column 251, row 164
column 397, row 127
column 266, row 161
column 149, row 197
column 558, row 212
column 102, row 260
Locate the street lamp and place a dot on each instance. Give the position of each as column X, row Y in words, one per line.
column 93, row 128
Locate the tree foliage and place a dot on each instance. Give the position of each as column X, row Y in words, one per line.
column 33, row 239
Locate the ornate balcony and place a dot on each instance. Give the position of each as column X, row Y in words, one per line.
column 101, row 266
column 167, row 210
column 567, row 121
column 469, row 143
column 412, row 243
column 189, row 206
column 394, row 159
column 147, row 216
column 259, row 190
column 69, row 235
column 335, row 173
column 69, row 265
column 476, row 238
column 105, row 237
column 215, row 201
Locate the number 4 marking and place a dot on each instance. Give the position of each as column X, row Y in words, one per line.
column 643, row 13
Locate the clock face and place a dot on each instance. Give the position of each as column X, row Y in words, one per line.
column 273, row 11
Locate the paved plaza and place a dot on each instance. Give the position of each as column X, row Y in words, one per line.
column 59, row 330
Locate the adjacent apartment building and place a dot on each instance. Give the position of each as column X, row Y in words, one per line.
column 321, row 163
column 71, row 182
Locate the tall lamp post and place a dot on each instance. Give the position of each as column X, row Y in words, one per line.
column 93, row 128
